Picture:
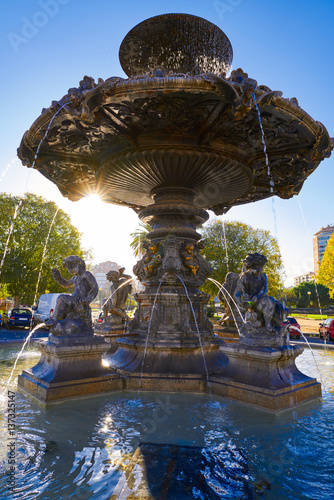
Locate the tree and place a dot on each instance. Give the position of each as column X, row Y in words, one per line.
column 139, row 239
column 326, row 269
column 27, row 245
column 319, row 295
column 228, row 243
column 288, row 295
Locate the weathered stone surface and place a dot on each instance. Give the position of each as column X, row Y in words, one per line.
column 266, row 377
column 68, row 368
column 72, row 315
column 115, row 317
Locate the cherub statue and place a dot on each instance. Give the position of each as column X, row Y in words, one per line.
column 72, row 314
column 153, row 260
column 150, row 262
column 251, row 292
column 188, row 258
column 114, row 307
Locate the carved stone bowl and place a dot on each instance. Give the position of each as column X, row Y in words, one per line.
column 126, row 138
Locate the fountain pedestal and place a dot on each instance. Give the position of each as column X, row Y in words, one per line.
column 264, row 376
column 69, row 368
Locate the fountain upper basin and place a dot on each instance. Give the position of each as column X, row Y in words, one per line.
column 124, row 138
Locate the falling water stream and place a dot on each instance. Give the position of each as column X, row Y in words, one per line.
column 198, row 332
column 226, row 250
column 271, row 180
column 41, row 325
column 44, row 253
column 46, row 133
column 10, row 164
column 114, row 291
column 309, row 346
column 16, row 211
column 18, row 206
column 224, row 291
column 149, row 331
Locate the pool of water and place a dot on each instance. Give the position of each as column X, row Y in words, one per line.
column 84, row 449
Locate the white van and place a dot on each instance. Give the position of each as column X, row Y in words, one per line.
column 45, row 307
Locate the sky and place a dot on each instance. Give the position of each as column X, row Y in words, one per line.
column 47, row 46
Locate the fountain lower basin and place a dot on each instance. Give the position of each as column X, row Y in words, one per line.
column 87, row 448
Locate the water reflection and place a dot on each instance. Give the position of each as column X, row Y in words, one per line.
column 88, row 448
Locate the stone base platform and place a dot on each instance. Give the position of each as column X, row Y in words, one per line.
column 69, row 367
column 266, row 377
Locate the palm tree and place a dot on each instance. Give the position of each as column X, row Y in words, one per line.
column 139, row 239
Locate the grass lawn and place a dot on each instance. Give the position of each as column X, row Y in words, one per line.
column 311, row 316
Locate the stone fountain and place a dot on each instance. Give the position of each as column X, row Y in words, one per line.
column 175, row 138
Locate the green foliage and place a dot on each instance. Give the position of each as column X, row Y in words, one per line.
column 3, row 291
column 139, row 239
column 24, row 255
column 210, row 310
column 326, row 269
column 319, row 293
column 226, row 250
column 289, row 296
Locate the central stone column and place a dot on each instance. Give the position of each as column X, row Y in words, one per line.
column 171, row 334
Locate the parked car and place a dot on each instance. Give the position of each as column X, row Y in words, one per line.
column 45, row 307
column 18, row 317
column 293, row 327
column 100, row 319
column 326, row 329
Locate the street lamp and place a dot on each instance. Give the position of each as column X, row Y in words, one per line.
column 309, row 302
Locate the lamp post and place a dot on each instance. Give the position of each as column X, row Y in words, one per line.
column 309, row 302
column 100, row 293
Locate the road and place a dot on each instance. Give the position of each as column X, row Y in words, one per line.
column 19, row 335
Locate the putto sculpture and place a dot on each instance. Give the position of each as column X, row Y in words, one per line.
column 250, row 310
column 258, row 316
column 115, row 316
column 72, row 314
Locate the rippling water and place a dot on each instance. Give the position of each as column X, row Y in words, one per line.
column 82, row 449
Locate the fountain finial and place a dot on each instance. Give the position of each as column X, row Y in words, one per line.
column 180, row 43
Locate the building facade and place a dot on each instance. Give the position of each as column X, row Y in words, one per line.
column 320, row 240
column 304, row 278
column 100, row 271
